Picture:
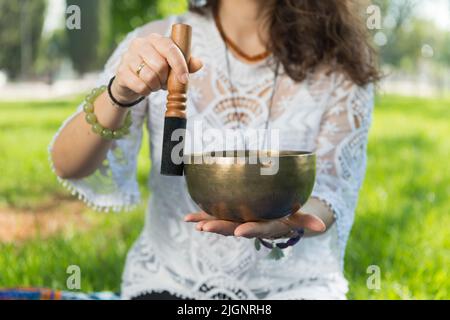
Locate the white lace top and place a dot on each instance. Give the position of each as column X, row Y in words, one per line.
column 326, row 113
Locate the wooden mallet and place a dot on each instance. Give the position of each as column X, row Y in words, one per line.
column 175, row 118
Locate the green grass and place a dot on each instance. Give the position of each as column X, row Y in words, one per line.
column 100, row 253
column 401, row 222
column 27, row 182
column 403, row 213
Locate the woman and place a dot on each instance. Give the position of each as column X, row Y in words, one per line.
column 303, row 67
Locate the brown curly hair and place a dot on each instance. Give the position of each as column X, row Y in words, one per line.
column 307, row 34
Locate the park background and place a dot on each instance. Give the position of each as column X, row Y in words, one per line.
column 402, row 220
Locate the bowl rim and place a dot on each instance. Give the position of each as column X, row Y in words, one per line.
column 273, row 153
column 236, row 156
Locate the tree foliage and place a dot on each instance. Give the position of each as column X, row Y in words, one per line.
column 83, row 42
column 128, row 15
column 106, row 22
column 52, row 54
column 407, row 34
column 21, row 23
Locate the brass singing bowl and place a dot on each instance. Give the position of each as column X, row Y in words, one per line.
column 233, row 186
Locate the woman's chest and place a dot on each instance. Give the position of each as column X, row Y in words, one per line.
column 257, row 112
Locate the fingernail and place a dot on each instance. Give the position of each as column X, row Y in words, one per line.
column 184, row 79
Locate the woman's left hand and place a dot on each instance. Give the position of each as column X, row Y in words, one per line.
column 267, row 230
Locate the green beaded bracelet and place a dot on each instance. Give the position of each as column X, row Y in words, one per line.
column 97, row 128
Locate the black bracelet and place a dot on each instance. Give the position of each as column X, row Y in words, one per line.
column 120, row 104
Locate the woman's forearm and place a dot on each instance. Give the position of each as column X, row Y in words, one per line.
column 78, row 151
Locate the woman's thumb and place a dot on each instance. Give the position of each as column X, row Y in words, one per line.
column 195, row 65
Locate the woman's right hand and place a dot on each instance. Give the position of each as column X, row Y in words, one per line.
column 159, row 54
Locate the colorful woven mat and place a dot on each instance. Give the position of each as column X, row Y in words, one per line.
column 48, row 294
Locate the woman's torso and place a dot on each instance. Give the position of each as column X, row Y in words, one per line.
column 170, row 254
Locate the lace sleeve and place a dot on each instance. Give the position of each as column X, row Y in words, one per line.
column 113, row 186
column 341, row 151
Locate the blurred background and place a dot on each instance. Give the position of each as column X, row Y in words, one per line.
column 45, row 69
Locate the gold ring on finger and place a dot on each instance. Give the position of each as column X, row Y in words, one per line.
column 140, row 68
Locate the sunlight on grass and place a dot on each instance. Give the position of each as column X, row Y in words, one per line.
column 401, row 222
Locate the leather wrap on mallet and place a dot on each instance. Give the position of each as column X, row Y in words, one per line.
column 175, row 118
